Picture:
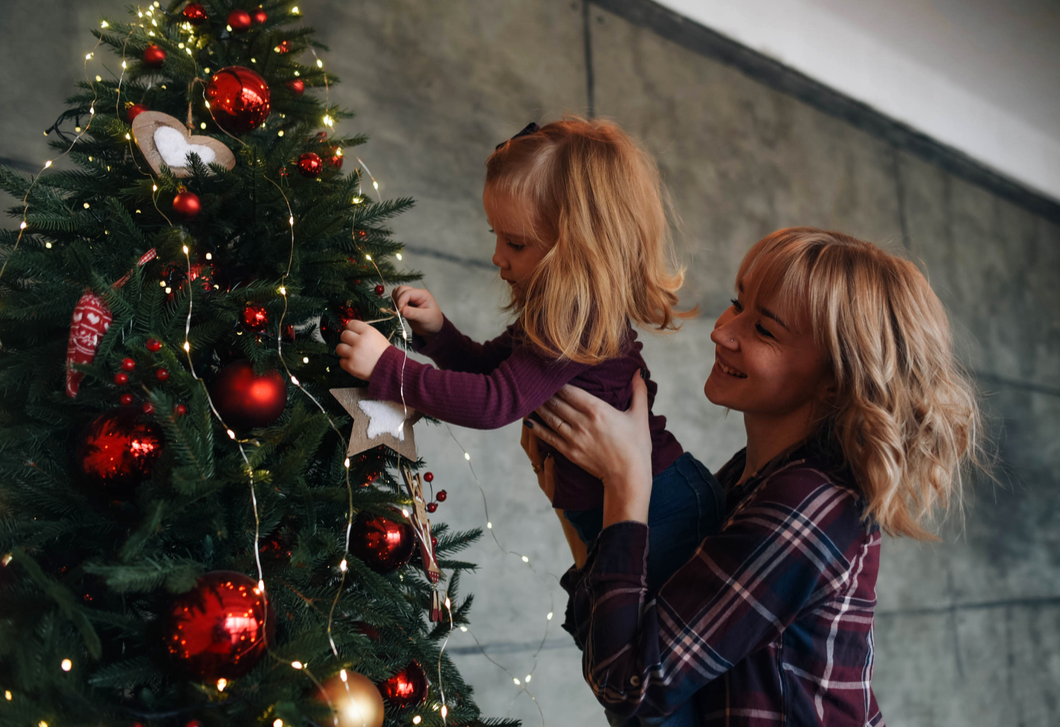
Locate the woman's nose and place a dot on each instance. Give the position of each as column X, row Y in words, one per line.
column 723, row 336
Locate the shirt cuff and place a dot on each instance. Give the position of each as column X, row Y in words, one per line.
column 385, row 384
column 620, row 551
column 438, row 342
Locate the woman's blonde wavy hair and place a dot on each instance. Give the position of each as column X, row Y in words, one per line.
column 599, row 208
column 904, row 414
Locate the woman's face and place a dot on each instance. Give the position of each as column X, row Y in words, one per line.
column 763, row 366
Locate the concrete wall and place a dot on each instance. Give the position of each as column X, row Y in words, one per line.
column 968, row 631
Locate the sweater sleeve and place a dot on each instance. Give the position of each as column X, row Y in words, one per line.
column 647, row 654
column 513, row 389
column 452, row 350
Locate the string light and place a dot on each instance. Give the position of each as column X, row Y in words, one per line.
column 221, row 684
column 342, row 675
column 66, row 665
column 297, row 664
column 305, row 359
column 277, row 723
column 7, row 695
column 417, row 719
column 549, row 617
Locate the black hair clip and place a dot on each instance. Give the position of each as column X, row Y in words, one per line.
column 531, row 128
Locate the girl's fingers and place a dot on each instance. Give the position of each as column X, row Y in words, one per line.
column 348, row 337
column 344, row 351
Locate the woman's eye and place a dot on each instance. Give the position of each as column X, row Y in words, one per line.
column 762, row 329
column 736, row 304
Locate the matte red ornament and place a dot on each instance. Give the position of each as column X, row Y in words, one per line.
column 383, row 544
column 154, row 56
column 180, row 410
column 246, row 400
column 126, row 399
column 254, row 317
column 239, row 99
column 134, row 110
column 127, row 364
column 342, row 315
column 407, row 688
column 259, row 17
column 153, row 345
column 379, row 290
column 432, row 506
column 121, row 378
column 117, row 451
column 91, row 319
column 310, row 165
column 195, row 14
column 297, row 86
column 428, row 477
column 239, row 20
column 442, row 494
column 221, row 628
column 162, row 374
column 187, row 205
column 148, row 408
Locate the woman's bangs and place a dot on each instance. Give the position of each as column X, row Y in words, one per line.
column 776, row 276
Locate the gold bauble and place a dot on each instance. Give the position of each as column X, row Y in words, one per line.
column 354, row 700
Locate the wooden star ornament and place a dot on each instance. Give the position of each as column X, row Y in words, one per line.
column 378, row 423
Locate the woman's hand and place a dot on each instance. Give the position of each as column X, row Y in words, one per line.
column 361, row 347
column 609, row 444
column 420, row 308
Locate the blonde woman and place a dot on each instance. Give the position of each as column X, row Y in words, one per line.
column 582, row 239
column 858, row 421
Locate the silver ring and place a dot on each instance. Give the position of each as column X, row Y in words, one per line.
column 732, row 340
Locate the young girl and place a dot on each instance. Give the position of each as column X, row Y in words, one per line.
column 858, row 420
column 583, row 241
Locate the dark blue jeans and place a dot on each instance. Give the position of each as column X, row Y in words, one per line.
column 687, row 504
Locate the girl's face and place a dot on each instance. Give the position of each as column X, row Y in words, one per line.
column 516, row 252
column 763, row 367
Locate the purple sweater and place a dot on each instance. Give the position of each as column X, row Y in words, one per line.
column 489, row 385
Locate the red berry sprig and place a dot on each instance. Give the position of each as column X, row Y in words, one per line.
column 442, row 494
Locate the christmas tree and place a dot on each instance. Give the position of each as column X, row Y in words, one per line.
column 185, row 537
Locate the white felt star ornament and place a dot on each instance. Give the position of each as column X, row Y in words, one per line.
column 378, row 423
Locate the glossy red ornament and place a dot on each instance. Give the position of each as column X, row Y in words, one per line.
column 239, row 99
column 117, row 451
column 148, row 408
column 127, row 364
column 432, row 506
column 310, row 165
column 428, row 477
column 121, row 378
column 239, row 20
column 162, row 374
column 288, row 333
column 221, row 628
column 134, row 110
column 442, row 494
column 187, row 205
column 379, row 290
column 180, row 410
column 383, row 544
column 153, row 345
column 154, row 56
column 407, row 688
column 195, row 13
column 297, row 86
column 259, row 17
column 254, row 317
column 336, row 159
column 333, row 323
column 246, row 400
column 283, row 47
column 126, row 399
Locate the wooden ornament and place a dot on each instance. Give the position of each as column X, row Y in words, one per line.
column 164, row 139
column 378, row 423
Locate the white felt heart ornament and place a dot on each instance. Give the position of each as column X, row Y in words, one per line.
column 163, row 139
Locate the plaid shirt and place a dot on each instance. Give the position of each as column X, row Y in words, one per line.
column 769, row 623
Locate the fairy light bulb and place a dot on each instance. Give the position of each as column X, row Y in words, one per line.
column 464, row 629
column 305, row 359
column 66, row 665
column 47, row 163
column 467, row 456
column 186, row 250
column 187, row 347
column 221, row 684
column 231, row 434
column 104, row 24
column 277, row 723
column 489, row 526
column 549, row 616
column 417, row 719
column 527, row 678
column 342, row 565
column 525, row 559
column 23, row 225
column 346, row 464
column 296, row 664
column 342, row 675
column 517, row 682
column 8, row 696
column 294, row 381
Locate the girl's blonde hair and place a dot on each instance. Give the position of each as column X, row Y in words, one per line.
column 904, row 414
column 597, row 203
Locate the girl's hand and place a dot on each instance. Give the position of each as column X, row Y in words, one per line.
column 361, row 347
column 544, row 467
column 420, row 308
column 611, row 445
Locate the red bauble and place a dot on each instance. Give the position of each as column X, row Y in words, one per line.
column 407, row 688
column 259, row 17
column 126, row 399
column 222, row 627
column 195, row 13
column 239, row 98
column 127, row 364
column 340, row 315
column 180, row 410
column 297, row 86
column 379, row 290
column 135, row 110
column 162, row 374
column 246, row 400
column 121, row 378
column 310, row 165
column 254, row 317
column 187, row 205
column 383, row 544
column 117, row 451
column 283, row 47
column 288, row 333
column 148, row 408
column 336, row 159
column 153, row 345
column 154, row 56
column 428, row 477
column 432, row 506
column 442, row 494
column 239, row 20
